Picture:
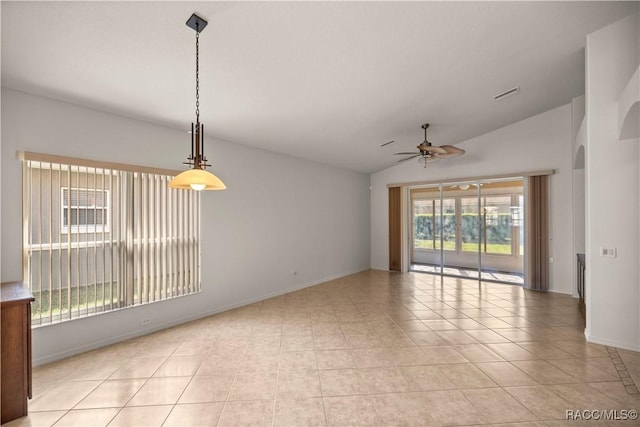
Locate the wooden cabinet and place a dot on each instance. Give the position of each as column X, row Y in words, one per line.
column 15, row 385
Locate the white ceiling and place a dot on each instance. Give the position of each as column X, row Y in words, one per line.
column 328, row 81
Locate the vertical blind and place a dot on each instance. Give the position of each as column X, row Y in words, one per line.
column 537, row 232
column 100, row 237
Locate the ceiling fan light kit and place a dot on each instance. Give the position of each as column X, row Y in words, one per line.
column 197, row 178
column 429, row 153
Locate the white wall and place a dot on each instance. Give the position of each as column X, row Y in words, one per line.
column 279, row 215
column 612, row 169
column 537, row 143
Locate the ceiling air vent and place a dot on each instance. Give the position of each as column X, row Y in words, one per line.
column 507, row 94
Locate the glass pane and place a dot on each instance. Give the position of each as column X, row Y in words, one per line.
column 520, row 223
column 423, row 224
column 469, row 224
column 496, row 217
column 448, row 229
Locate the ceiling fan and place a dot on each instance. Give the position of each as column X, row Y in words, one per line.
column 429, row 153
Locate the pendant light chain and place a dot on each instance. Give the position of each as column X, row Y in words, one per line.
column 197, row 77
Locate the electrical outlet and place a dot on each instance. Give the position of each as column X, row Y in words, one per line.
column 145, row 321
column 609, row 252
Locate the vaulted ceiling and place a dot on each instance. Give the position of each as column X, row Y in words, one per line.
column 328, row 81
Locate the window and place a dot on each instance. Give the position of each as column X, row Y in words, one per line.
column 84, row 210
column 496, row 230
column 100, row 237
column 427, row 224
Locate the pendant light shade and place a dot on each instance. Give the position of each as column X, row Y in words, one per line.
column 197, row 178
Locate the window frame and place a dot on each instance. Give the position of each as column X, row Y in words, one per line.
column 87, row 228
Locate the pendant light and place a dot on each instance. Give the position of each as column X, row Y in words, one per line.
column 197, row 178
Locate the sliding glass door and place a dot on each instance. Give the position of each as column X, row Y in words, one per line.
column 471, row 229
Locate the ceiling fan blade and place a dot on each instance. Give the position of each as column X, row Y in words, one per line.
column 436, row 149
column 407, row 154
column 450, row 149
column 408, row 158
column 451, row 152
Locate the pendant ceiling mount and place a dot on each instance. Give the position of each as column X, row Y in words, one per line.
column 196, row 23
column 197, row 178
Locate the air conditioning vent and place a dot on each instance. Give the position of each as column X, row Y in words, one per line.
column 507, row 94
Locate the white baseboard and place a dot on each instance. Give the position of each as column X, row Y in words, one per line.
column 158, row 327
column 612, row 343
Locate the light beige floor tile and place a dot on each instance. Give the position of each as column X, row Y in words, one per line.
column 477, row 353
column 426, row 315
column 101, row 370
column 403, row 409
column 112, row 393
column 467, row 324
column 544, row 372
column 426, row 338
column 160, row 391
column 494, row 323
column 576, row 396
column 497, row 406
column 388, row 357
column 412, row 326
column 139, row 367
column 264, row 360
column 298, row 361
column 64, row 396
column 335, row 359
column 456, row 337
column 541, row 401
column 299, row 412
column 505, row 374
column 425, row 378
column 193, row 348
column 88, row 417
column 326, row 328
column 298, row 342
column 220, row 364
column 616, row 391
column 179, row 366
column 298, row 384
column 141, row 416
column 330, row 342
column 545, row 350
column 351, row 411
column 37, row 419
column 340, row 382
column 515, row 335
column 449, row 407
column 587, row 370
column 195, row 414
column 443, row 354
column 203, row 389
column 367, row 340
column 486, row 336
column 466, row 376
column 254, row 386
column 512, row 352
column 247, row 413
column 383, row 380
column 581, row 349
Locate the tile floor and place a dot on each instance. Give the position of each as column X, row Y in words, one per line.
column 375, row 348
